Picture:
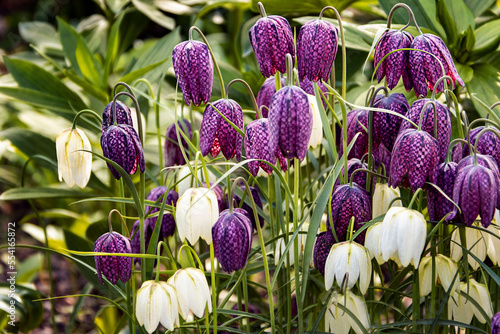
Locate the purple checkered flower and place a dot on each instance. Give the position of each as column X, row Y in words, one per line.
column 347, row 202
column 425, row 70
column 352, row 165
column 394, row 66
column 356, row 118
column 266, row 93
column 489, row 144
column 194, row 70
column 290, row 123
column 232, row 237
column 121, row 144
column 308, row 87
column 272, row 38
column 123, row 115
column 475, row 192
column 443, row 122
column 113, row 267
column 324, row 243
column 216, row 134
column 442, row 176
column 414, row 156
column 495, row 324
column 135, row 238
column 386, row 126
column 316, row 49
column 172, row 149
column 168, row 221
column 257, row 147
column 248, row 207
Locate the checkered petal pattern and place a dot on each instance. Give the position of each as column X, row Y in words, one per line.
column 386, row 126
column 443, row 176
column 324, row 243
column 123, row 115
column 248, row 208
column 489, row 144
column 172, row 150
column 113, row 267
column 168, row 220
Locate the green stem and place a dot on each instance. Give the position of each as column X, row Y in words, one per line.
column 419, row 190
column 296, row 244
column 250, row 92
column 214, row 287
column 85, row 111
column 416, row 300
column 410, row 14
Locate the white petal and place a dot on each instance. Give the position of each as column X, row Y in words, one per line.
column 372, row 240
column 425, row 276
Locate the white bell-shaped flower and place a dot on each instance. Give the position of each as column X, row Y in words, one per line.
column 372, row 242
column 157, row 303
column 402, row 236
column 340, row 322
column 281, row 246
column 317, row 128
column 73, row 166
column 475, row 241
column 493, row 239
column 195, row 214
column 383, row 195
column 193, row 293
column 445, row 270
column 462, row 309
column 351, row 259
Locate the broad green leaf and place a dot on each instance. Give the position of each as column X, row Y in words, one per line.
column 38, row 99
column 477, row 7
column 276, row 7
column 486, row 85
column 89, row 66
column 41, row 34
column 94, row 31
column 446, row 20
column 148, row 8
column 460, row 14
column 487, row 39
column 424, row 10
column 132, row 76
column 30, row 143
column 31, row 76
column 40, row 192
column 97, row 92
column 69, row 42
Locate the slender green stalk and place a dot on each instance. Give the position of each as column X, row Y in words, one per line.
column 296, row 244
column 416, row 300
column 85, row 111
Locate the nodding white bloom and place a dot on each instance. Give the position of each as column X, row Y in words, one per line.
column 317, row 128
column 348, row 258
column 157, row 303
column 73, row 166
column 473, row 238
column 340, row 322
column 196, row 212
column 402, row 236
column 372, row 242
column 280, row 245
column 186, row 180
column 493, row 241
column 382, row 197
column 192, row 291
column 462, row 310
column 445, row 270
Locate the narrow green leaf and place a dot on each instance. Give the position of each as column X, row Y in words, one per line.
column 132, row 76
column 69, row 42
column 40, row 192
column 89, row 66
column 478, row 7
column 487, row 39
column 87, row 87
column 148, row 8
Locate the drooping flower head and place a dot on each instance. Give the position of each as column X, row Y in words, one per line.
column 266, row 93
column 360, row 177
column 489, row 143
column 495, row 324
column 135, row 238
column 461, row 309
column 445, row 270
column 337, row 320
column 168, row 220
column 348, row 202
column 248, row 208
column 216, row 134
column 73, row 165
column 271, row 38
column 194, row 70
column 257, row 147
column 193, row 293
column 425, row 70
column 443, row 125
column 357, row 122
column 113, row 267
column 413, row 158
column 290, row 123
column 442, row 176
column 317, row 46
column 157, row 303
column 232, row 235
column 123, row 115
column 172, row 150
column 383, row 196
column 395, row 65
column 385, row 125
column 121, row 144
column 324, row 242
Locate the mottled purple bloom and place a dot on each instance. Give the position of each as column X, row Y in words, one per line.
column 194, row 70
column 475, row 192
column 442, row 176
column 495, row 324
column 123, row 115
column 443, row 122
column 135, row 238
column 396, row 64
column 386, row 126
column 352, row 165
column 425, row 70
column 355, row 119
column 172, row 149
column 290, row 123
column 248, row 207
column 266, row 93
column 347, row 202
column 308, row 87
column 232, row 237
column 257, row 147
column 121, row 144
column 384, row 157
column 168, row 220
column 414, row 156
column 457, row 152
column 216, row 134
column 316, row 49
column 489, row 143
column 272, row 38
column 324, row 243
column 113, row 267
